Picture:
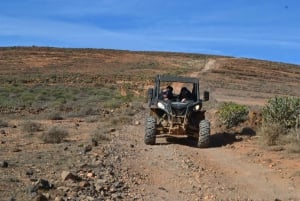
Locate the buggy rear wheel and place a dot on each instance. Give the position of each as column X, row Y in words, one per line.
column 150, row 130
column 204, row 134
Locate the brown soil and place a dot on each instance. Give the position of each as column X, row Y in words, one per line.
column 235, row 167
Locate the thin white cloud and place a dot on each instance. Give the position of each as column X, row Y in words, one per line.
column 66, row 33
column 47, row 28
column 238, row 40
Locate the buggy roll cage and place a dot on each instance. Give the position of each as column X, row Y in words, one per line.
column 170, row 78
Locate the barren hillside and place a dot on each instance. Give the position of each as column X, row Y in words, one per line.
column 249, row 79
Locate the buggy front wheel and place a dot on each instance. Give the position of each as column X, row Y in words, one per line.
column 204, row 134
column 150, row 131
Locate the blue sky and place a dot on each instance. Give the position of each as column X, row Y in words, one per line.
column 261, row 29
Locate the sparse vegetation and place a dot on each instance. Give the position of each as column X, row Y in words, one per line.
column 60, row 98
column 3, row 123
column 271, row 133
column 55, row 116
column 31, row 126
column 282, row 110
column 294, row 146
column 232, row 114
column 280, row 122
column 121, row 120
column 92, row 118
column 55, row 135
column 101, row 134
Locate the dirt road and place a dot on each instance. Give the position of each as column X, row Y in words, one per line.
column 174, row 169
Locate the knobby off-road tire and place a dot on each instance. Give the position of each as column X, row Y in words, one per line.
column 150, row 131
column 204, row 134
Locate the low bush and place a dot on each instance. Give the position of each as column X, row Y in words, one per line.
column 31, row 126
column 55, row 135
column 281, row 121
column 282, row 110
column 102, row 133
column 55, row 116
column 232, row 114
column 271, row 133
column 294, row 147
column 3, row 123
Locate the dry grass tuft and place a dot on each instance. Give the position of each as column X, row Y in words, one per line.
column 55, row 116
column 31, row 126
column 294, row 141
column 102, row 133
column 55, row 135
column 276, row 134
column 271, row 133
column 3, row 123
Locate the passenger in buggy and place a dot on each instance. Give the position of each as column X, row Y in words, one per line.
column 185, row 95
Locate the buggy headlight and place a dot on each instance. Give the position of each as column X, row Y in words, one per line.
column 161, row 106
column 197, row 107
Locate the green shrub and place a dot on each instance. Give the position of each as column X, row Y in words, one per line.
column 232, row 114
column 55, row 135
column 282, row 110
column 280, row 126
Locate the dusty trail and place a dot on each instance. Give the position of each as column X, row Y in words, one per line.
column 175, row 169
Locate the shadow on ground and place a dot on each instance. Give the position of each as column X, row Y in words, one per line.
column 223, row 139
column 216, row 140
column 227, row 138
column 190, row 142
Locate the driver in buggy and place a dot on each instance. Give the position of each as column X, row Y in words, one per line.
column 167, row 93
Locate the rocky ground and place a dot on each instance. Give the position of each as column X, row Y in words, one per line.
column 124, row 168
